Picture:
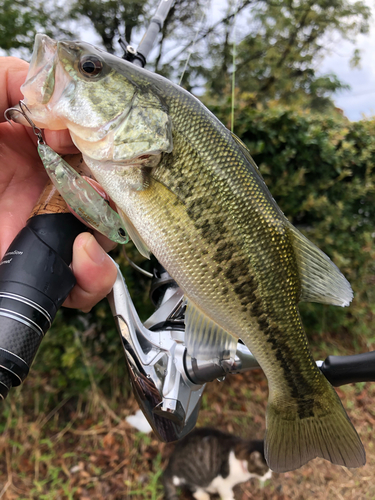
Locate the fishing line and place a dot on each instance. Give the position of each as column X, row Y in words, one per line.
column 134, row 265
column 197, row 31
column 234, row 67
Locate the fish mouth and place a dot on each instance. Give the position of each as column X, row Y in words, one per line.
column 40, row 81
column 39, row 89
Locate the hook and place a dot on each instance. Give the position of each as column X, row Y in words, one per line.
column 133, row 264
column 22, row 106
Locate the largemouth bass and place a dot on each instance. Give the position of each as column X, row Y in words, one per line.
column 189, row 192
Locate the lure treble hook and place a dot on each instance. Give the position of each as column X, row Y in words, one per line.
column 22, row 109
column 78, row 194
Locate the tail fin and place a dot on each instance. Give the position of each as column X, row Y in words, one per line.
column 292, row 441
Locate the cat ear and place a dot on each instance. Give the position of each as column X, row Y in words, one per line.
column 257, row 458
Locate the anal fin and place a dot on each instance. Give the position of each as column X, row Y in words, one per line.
column 205, row 339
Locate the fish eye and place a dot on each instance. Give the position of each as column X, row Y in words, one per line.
column 90, row 65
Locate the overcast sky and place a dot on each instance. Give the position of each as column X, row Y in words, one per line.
column 359, row 101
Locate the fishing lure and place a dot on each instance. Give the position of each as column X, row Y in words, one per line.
column 81, row 197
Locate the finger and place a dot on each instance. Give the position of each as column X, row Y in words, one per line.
column 13, row 73
column 94, row 271
column 60, row 141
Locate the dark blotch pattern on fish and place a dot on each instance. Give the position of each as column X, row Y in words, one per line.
column 210, row 178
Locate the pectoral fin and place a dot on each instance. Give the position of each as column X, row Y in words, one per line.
column 321, row 280
column 134, row 235
column 204, row 339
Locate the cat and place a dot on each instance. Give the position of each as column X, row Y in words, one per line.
column 210, row 461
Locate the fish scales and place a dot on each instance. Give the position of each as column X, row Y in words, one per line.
column 240, row 260
column 190, row 193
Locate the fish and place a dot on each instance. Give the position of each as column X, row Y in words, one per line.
column 189, row 192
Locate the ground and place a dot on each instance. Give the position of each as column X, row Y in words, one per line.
column 87, row 451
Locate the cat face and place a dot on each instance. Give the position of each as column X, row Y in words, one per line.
column 256, row 464
column 251, row 454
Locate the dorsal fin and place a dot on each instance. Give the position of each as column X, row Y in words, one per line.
column 205, row 339
column 321, row 280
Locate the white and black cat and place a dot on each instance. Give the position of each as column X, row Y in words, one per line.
column 210, row 461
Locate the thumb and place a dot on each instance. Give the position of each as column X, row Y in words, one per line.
column 94, row 271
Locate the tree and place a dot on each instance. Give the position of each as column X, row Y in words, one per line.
column 293, row 38
column 20, row 20
column 115, row 18
column 280, row 42
column 112, row 18
column 281, row 45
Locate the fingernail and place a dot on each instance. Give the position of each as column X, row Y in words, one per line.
column 95, row 251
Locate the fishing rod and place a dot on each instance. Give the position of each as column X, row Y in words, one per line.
column 167, row 382
column 35, row 277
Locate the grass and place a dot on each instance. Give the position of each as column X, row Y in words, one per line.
column 152, row 489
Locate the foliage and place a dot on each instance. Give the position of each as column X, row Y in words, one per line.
column 321, row 171
column 17, row 20
column 20, row 20
column 111, row 19
column 282, row 45
column 126, row 18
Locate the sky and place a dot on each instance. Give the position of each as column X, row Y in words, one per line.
column 359, row 101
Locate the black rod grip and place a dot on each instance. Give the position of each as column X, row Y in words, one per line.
column 341, row 370
column 35, row 279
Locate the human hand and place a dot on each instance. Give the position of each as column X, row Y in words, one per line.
column 22, row 180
